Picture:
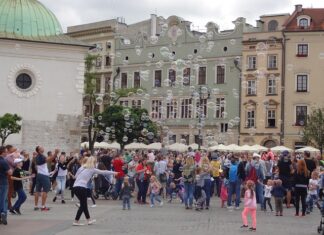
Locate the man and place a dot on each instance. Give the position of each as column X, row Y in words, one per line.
column 215, row 167
column 255, row 172
column 119, row 167
column 12, row 154
column 310, row 163
column 160, row 169
column 285, row 173
column 132, row 171
column 43, row 184
column 234, row 184
column 4, row 172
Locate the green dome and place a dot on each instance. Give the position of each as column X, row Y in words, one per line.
column 27, row 18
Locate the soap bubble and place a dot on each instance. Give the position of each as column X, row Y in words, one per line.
column 125, row 138
column 154, row 39
column 99, row 100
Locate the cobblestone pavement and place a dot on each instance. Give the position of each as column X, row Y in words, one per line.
column 143, row 220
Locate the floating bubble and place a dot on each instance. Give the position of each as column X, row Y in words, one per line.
column 150, row 55
column 126, row 112
column 232, row 41
column 215, row 91
column 165, row 52
column 144, row 132
column 159, row 64
column 148, row 63
column 113, row 94
column 154, row 39
column 150, row 135
column 99, row 117
column 99, row 100
column 138, row 50
column 210, row 35
column 140, row 92
column 202, row 39
column 125, row 138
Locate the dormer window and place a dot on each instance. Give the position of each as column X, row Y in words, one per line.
column 303, row 21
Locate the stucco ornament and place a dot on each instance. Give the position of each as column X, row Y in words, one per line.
column 32, row 72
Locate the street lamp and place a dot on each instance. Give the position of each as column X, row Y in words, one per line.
column 201, row 93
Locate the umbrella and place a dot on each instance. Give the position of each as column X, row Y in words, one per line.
column 246, row 148
column 135, row 146
column 280, row 149
column 220, row 147
column 154, row 146
column 178, row 147
column 259, row 148
column 102, row 145
column 85, row 145
column 309, row 149
column 233, row 147
column 113, row 145
column 195, row 147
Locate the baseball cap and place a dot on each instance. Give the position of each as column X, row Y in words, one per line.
column 17, row 160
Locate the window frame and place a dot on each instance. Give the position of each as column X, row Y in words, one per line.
column 184, row 108
column 272, row 117
column 253, row 59
column 186, row 75
column 139, row 79
column 302, row 54
column 121, row 80
column 297, row 122
column 172, row 84
column 154, row 80
column 156, row 108
column 205, row 79
column 272, row 86
column 223, row 74
column 172, row 106
column 250, row 119
column 270, row 66
column 302, row 83
column 219, row 107
column 248, row 88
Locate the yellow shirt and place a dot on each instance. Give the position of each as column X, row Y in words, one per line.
column 215, row 166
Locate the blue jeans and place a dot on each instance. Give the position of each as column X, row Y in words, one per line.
column 216, row 186
column 207, row 188
column 259, row 194
column 118, row 185
column 234, row 188
column 156, row 197
column 61, row 181
column 311, row 199
column 21, row 199
column 188, row 195
column 4, row 199
column 126, row 202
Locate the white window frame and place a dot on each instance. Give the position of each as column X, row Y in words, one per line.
column 250, row 59
column 308, row 18
column 204, row 106
column 221, row 108
column 273, row 87
column 302, row 43
column 269, row 61
column 222, row 65
column 188, row 77
column 273, row 111
column 223, row 127
column 173, row 106
column 158, row 111
column 190, row 112
column 248, row 88
column 135, row 103
column 296, row 82
column 247, row 118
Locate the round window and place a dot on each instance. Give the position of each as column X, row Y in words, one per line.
column 23, row 81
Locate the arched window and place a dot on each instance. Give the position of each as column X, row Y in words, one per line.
column 273, row 25
column 303, row 22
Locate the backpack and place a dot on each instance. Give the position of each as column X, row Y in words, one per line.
column 252, row 175
column 233, row 173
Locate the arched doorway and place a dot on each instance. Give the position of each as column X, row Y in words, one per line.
column 270, row 143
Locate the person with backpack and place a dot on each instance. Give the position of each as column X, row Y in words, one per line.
column 255, row 172
column 234, row 186
column 188, row 175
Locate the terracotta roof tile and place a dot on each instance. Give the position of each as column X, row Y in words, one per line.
column 317, row 20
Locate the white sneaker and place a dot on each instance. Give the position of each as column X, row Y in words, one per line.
column 72, row 199
column 90, row 222
column 151, row 205
column 230, row 208
column 161, row 203
column 77, row 224
column 77, row 205
column 94, row 205
column 237, row 208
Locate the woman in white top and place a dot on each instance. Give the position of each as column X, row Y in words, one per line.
column 83, row 176
column 61, row 171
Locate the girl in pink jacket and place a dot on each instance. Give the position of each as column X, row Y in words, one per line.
column 250, row 206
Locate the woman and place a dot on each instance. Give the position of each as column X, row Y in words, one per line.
column 301, row 178
column 143, row 172
column 206, row 168
column 188, row 175
column 83, row 176
column 61, row 170
column 73, row 168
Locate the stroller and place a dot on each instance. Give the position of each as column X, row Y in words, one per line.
column 103, row 187
column 320, row 228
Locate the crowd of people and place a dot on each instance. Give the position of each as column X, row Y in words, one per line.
column 192, row 178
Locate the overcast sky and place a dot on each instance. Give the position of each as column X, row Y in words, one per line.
column 199, row 12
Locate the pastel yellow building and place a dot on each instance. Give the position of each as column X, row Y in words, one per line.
column 304, row 80
column 261, row 85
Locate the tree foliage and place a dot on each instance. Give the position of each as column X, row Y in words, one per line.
column 9, row 124
column 314, row 129
column 126, row 124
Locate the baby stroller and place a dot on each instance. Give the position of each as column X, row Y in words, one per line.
column 103, row 187
column 320, row 228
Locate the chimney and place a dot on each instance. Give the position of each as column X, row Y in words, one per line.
column 153, row 25
column 298, row 7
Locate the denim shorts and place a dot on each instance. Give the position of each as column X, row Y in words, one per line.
column 43, row 183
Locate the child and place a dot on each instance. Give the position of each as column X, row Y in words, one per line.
column 18, row 176
column 200, row 194
column 313, row 191
column 126, row 193
column 154, row 190
column 267, row 195
column 224, row 194
column 250, row 205
column 279, row 192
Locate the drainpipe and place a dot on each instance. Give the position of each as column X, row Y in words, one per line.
column 283, row 76
column 236, row 63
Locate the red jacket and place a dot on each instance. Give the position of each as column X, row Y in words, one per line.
column 118, row 167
